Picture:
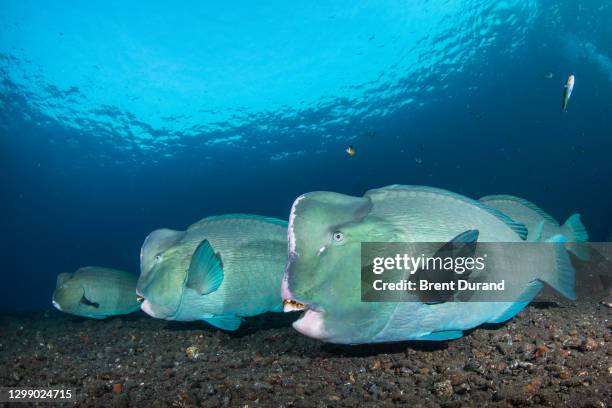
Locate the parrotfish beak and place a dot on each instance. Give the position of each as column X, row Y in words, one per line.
column 56, row 305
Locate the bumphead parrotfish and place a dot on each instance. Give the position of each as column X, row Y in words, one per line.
column 323, row 274
column 218, row 270
column 540, row 224
column 96, row 292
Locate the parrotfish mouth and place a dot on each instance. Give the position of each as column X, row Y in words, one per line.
column 290, row 305
column 310, row 323
column 140, row 299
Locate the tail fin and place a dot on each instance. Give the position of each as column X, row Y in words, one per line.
column 558, row 273
column 576, row 234
column 562, row 277
column 575, row 230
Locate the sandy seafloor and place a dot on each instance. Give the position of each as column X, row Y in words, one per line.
column 552, row 354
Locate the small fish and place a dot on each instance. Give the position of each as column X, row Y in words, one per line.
column 350, row 151
column 567, row 91
column 547, row 75
column 96, row 292
column 418, row 160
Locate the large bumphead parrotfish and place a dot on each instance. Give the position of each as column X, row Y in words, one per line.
column 96, row 292
column 218, row 270
column 323, row 274
column 540, row 224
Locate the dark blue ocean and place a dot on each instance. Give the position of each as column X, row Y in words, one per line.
column 115, row 121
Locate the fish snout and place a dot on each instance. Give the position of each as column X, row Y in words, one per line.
column 289, row 302
column 292, row 301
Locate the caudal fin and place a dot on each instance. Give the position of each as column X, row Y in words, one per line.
column 557, row 272
column 576, row 234
column 562, row 277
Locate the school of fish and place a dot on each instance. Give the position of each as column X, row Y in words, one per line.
column 224, row 268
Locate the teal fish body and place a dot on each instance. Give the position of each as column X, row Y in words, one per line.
column 323, row 274
column 540, row 224
column 219, row 270
column 96, row 292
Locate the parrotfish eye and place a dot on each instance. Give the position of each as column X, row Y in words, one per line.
column 157, row 258
column 338, row 236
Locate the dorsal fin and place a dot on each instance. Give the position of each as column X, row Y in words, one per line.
column 520, row 229
column 522, row 201
column 205, row 272
column 271, row 220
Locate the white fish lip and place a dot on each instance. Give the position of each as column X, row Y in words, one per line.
column 311, row 325
column 57, row 305
column 146, row 307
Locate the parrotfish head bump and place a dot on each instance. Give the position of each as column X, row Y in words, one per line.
column 67, row 295
column 155, row 244
column 160, row 288
column 322, row 276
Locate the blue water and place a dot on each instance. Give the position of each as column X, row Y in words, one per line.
column 119, row 119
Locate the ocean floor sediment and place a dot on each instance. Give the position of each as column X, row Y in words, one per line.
column 551, row 354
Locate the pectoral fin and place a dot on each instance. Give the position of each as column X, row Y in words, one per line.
column 88, row 302
column 206, row 270
column 462, row 246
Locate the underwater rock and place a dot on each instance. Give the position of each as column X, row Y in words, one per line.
column 192, row 352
